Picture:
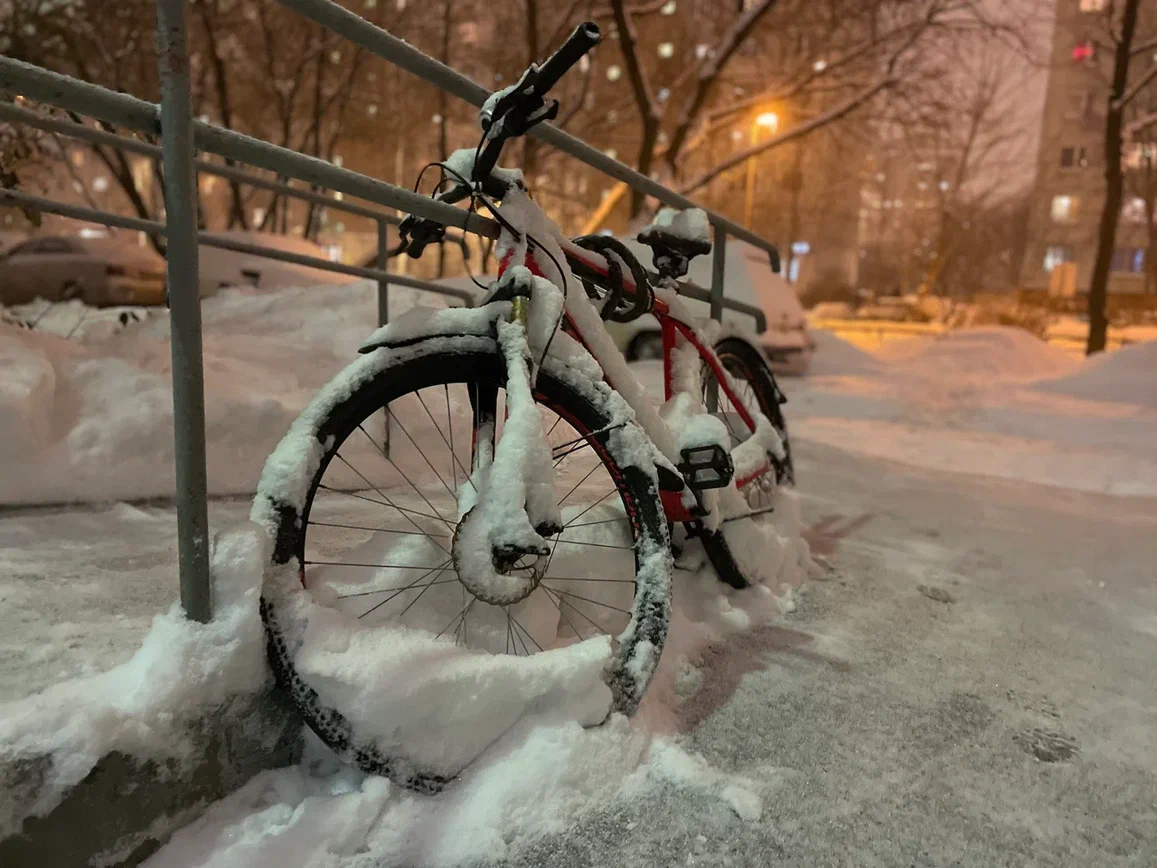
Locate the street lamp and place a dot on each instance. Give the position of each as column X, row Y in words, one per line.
column 768, row 121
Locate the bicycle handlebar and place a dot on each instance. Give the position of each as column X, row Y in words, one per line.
column 585, row 37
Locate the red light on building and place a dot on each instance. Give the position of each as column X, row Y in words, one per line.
column 1083, row 52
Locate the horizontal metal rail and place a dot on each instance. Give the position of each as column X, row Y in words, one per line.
column 400, row 53
column 20, row 199
column 42, row 85
column 16, row 114
column 124, row 110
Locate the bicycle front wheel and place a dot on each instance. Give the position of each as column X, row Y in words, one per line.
column 370, row 542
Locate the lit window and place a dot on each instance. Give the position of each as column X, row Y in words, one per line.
column 1064, row 209
column 1092, row 5
column 1083, row 52
column 1130, row 260
column 1055, row 254
column 1137, row 154
column 1133, row 210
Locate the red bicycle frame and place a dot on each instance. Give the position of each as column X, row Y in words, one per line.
column 672, row 327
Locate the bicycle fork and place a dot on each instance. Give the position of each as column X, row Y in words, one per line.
column 508, row 506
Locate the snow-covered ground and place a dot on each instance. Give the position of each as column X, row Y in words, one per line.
column 974, row 628
column 995, row 402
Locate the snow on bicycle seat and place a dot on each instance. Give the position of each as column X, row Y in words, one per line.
column 677, row 237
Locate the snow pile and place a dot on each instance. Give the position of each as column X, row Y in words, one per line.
column 90, row 419
column 182, row 668
column 996, row 402
column 538, row 767
column 1125, row 376
column 1004, row 351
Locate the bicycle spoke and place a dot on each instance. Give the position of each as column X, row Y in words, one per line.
column 577, row 611
column 580, row 482
column 589, row 508
column 369, row 566
column 455, row 618
column 526, row 634
column 571, row 451
column 577, row 579
column 593, row 523
column 588, row 600
column 373, row 529
column 402, row 473
column 410, row 604
column 563, row 615
column 382, row 495
column 429, row 463
column 387, row 590
column 575, row 542
column 403, row 590
column 449, row 443
column 390, row 504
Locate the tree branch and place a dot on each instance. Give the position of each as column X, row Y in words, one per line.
column 803, row 129
column 709, row 71
column 644, row 99
column 1139, row 86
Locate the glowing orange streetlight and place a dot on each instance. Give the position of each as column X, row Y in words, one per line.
column 768, row 120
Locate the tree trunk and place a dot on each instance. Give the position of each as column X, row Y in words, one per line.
column 1114, row 182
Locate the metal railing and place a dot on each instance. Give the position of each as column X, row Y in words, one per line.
column 180, row 136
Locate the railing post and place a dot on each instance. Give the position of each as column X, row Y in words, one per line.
column 382, row 263
column 185, row 309
column 718, row 258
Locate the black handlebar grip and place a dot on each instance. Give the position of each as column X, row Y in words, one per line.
column 583, row 39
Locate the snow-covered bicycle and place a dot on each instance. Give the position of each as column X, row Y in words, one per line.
column 494, row 485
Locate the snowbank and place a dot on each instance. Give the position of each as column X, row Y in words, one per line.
column 535, row 771
column 1004, row 351
column 1125, row 376
column 90, row 418
column 994, row 402
column 143, row 707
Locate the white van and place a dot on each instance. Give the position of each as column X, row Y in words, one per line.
column 748, row 278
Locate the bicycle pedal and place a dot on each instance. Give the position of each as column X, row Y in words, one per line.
column 706, row 466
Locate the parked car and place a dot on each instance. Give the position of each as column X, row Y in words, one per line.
column 748, row 279
column 102, row 272
column 219, row 268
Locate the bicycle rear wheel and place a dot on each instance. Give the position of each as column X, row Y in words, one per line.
column 755, row 386
column 369, row 540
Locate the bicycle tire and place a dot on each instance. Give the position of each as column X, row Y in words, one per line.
column 747, row 366
column 367, row 386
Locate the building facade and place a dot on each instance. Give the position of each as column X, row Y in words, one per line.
column 1069, row 191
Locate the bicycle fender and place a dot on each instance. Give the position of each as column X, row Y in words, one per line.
column 423, row 323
